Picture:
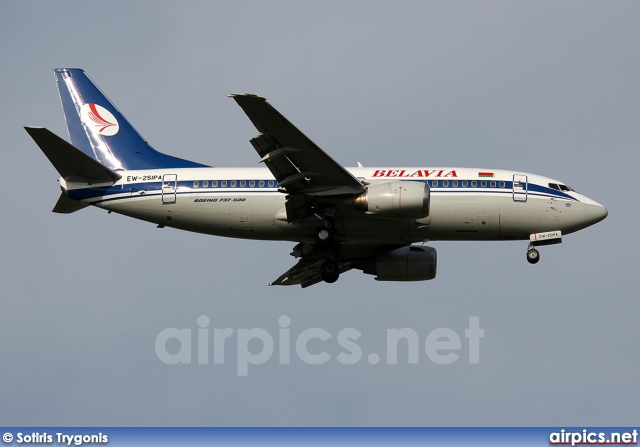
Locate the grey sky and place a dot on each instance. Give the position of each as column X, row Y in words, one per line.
column 546, row 87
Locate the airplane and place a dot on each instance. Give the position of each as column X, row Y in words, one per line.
column 376, row 219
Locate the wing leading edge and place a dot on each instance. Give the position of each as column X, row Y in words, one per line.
column 296, row 162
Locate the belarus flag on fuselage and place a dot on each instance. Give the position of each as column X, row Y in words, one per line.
column 485, row 174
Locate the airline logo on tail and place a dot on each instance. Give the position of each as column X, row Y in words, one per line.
column 100, row 119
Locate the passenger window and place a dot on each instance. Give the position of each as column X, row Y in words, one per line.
column 483, row 183
column 252, row 183
column 474, row 183
column 196, row 184
column 445, row 183
column 243, row 183
column 233, row 183
column 205, row 184
column 465, row 183
column 493, row 184
column 454, row 183
column 261, row 183
column 502, row 184
column 271, row 183
column 434, row 183
column 214, row 184
column 223, row 183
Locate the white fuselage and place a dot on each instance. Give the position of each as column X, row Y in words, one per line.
column 465, row 204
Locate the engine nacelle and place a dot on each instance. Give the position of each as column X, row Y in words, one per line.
column 412, row 263
column 395, row 199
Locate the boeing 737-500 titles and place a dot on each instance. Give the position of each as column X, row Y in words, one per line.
column 377, row 220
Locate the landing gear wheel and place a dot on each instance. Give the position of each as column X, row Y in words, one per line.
column 324, row 236
column 533, row 256
column 329, row 271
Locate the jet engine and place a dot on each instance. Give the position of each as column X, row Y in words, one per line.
column 410, row 263
column 408, row 199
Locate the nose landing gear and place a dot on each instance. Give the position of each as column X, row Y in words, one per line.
column 537, row 239
column 533, row 255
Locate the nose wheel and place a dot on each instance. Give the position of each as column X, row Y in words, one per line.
column 533, row 255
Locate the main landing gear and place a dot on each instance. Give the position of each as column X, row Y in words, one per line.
column 324, row 236
column 325, row 239
column 329, row 271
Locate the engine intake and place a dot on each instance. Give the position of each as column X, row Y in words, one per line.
column 410, row 263
column 395, row 199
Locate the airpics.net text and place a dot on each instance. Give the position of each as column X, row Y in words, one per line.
column 256, row 346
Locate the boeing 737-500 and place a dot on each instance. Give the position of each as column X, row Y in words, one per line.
column 377, row 220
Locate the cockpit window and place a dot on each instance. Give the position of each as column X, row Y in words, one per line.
column 560, row 187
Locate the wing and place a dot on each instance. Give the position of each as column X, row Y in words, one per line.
column 307, row 273
column 315, row 184
column 299, row 166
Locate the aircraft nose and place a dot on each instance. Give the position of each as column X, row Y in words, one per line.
column 595, row 212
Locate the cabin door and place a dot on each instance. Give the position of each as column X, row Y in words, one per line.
column 520, row 188
column 169, row 187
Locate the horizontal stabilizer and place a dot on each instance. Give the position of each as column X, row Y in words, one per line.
column 72, row 164
column 65, row 205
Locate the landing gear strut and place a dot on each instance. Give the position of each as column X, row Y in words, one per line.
column 533, row 255
column 325, row 237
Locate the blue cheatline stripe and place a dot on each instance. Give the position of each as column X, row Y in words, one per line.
column 151, row 187
column 127, row 195
column 155, row 188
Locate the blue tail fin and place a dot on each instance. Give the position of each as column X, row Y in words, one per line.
column 98, row 129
